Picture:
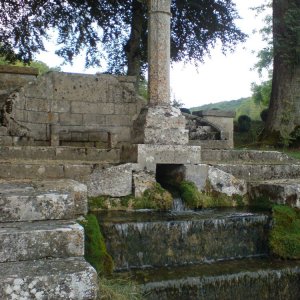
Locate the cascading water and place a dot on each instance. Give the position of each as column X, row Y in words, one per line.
column 178, row 205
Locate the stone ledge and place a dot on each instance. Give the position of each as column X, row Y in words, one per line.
column 59, row 279
column 38, row 240
column 19, row 70
column 147, row 155
column 214, row 113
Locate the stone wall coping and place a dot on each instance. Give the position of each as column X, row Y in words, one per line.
column 19, row 70
column 214, row 113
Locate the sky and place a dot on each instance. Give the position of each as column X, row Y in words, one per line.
column 219, row 78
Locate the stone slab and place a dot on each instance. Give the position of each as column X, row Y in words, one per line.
column 281, row 191
column 29, row 241
column 114, row 181
column 52, row 279
column 211, row 144
column 214, row 113
column 243, row 156
column 19, row 70
column 150, row 155
column 256, row 172
column 235, row 279
column 42, row 200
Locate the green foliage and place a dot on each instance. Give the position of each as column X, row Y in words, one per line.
column 190, row 194
column 196, row 26
column 41, row 66
column 285, row 234
column 154, row 198
column 95, row 249
column 250, row 138
column 243, row 106
column 232, row 105
column 244, row 123
column 261, row 93
column 261, row 204
column 119, row 289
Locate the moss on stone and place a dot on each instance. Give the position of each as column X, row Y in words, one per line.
column 285, row 234
column 190, row 195
column 194, row 199
column 154, row 198
column 95, row 249
column 261, row 203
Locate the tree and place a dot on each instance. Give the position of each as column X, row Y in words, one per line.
column 119, row 26
column 284, row 109
column 41, row 66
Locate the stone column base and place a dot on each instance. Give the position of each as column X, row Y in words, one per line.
column 160, row 125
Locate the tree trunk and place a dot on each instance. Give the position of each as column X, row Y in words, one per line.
column 284, row 109
column 133, row 47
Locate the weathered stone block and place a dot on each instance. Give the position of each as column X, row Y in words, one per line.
column 114, row 181
column 59, row 279
column 142, row 181
column 30, row 241
column 37, row 104
column 150, row 155
column 226, row 183
column 44, row 200
column 70, row 119
column 162, row 125
column 60, row 106
column 281, row 191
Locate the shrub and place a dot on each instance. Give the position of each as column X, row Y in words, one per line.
column 95, row 249
column 264, row 115
column 244, row 123
column 285, row 234
column 185, row 110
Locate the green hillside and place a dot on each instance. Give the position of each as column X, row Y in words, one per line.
column 243, row 106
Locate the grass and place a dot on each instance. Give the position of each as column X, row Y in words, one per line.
column 285, row 234
column 119, row 289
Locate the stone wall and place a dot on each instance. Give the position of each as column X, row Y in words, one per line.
column 81, row 108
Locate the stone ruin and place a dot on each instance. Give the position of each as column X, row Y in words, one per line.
column 65, row 109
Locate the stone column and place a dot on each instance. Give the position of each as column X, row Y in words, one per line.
column 159, row 51
column 159, row 123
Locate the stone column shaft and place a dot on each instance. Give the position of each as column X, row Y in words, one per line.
column 159, row 52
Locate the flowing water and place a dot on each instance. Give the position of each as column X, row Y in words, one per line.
column 205, row 254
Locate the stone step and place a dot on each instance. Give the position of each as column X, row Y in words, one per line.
column 18, row 169
column 259, row 172
column 70, row 278
column 140, row 239
column 244, row 156
column 42, row 200
column 60, row 153
column 238, row 279
column 280, row 191
column 22, row 241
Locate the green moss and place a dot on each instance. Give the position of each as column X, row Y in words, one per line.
column 261, row 204
column 95, row 249
column 194, row 199
column 190, row 195
column 96, row 203
column 285, row 234
column 154, row 198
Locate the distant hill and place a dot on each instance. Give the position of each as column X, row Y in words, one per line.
column 243, row 106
